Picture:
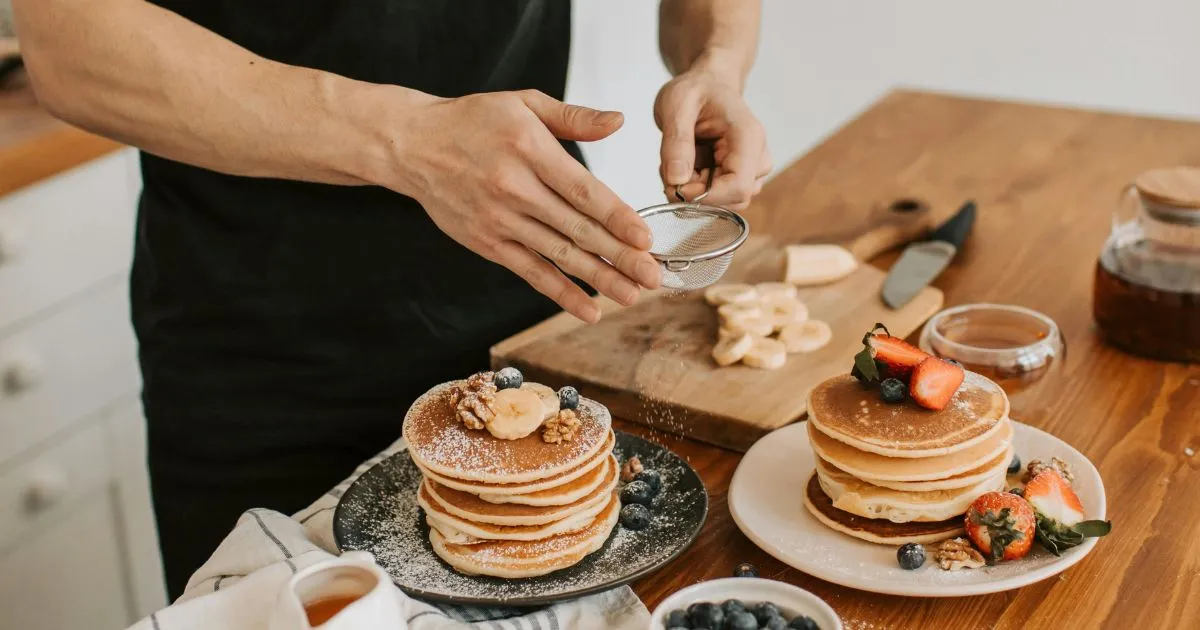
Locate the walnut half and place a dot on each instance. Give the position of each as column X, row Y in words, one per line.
column 473, row 400
column 957, row 553
column 561, row 428
column 1037, row 466
column 631, row 468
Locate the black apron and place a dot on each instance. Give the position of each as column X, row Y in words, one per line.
column 284, row 327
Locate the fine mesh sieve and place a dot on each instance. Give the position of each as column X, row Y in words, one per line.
column 694, row 242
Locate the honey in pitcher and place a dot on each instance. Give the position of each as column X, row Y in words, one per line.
column 1146, row 294
column 323, row 610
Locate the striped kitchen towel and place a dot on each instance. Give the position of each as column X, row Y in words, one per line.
column 238, row 586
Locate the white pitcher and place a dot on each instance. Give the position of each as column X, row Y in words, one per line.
column 354, row 579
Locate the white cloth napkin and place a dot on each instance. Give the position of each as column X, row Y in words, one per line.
column 238, row 586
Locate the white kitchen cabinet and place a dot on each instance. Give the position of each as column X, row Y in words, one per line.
column 78, row 547
column 68, row 575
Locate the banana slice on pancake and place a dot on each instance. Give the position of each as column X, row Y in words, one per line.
column 519, row 412
column 721, row 294
column 808, row 265
column 731, row 349
column 783, row 311
column 549, row 398
column 766, row 354
column 806, row 336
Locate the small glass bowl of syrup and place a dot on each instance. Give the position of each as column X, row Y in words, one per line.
column 1012, row 345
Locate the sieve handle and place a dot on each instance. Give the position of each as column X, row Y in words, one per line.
column 891, row 226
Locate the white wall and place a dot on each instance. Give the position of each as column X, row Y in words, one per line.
column 820, row 63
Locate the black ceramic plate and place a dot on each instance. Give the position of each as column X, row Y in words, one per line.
column 379, row 513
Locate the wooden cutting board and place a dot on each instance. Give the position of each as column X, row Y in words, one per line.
column 650, row 363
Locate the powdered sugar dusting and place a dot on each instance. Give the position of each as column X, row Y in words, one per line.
column 379, row 513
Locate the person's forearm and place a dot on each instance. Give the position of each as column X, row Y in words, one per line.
column 147, row 77
column 720, row 36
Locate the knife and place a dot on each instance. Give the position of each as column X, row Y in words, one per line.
column 923, row 261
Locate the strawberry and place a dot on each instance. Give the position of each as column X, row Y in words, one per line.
column 934, row 382
column 1001, row 525
column 1060, row 523
column 884, row 356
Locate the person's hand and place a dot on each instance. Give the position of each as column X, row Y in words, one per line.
column 701, row 106
column 490, row 173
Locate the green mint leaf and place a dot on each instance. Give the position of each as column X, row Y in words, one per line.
column 1092, row 529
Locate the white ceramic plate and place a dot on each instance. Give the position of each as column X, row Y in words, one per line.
column 791, row 600
column 766, row 499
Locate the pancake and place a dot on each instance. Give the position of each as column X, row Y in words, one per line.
column 878, row 467
column 846, row 411
column 880, row 531
column 513, row 492
column 518, row 559
column 991, row 469
column 471, row 508
column 440, row 443
column 860, row 498
column 463, row 532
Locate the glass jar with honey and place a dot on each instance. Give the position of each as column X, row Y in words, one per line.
column 1146, row 297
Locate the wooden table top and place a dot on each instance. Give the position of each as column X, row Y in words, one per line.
column 33, row 144
column 1046, row 181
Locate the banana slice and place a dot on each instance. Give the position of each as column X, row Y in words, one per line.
column 731, row 349
column 755, row 325
column 519, row 412
column 783, row 311
column 768, row 290
column 817, row 264
column 740, row 309
column 806, row 336
column 766, row 354
column 549, row 398
column 720, row 294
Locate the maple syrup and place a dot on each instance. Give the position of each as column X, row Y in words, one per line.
column 323, row 610
column 1146, row 295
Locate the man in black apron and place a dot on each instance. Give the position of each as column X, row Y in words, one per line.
column 348, row 201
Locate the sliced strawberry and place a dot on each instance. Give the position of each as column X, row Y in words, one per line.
column 1051, row 495
column 1001, row 525
column 897, row 356
column 1060, row 523
column 934, row 382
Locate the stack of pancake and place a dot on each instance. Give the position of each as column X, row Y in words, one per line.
column 898, row 473
column 513, row 508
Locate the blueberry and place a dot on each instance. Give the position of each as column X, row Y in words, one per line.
column 745, row 569
column 1017, row 491
column 652, row 479
column 706, row 615
column 508, row 378
column 1014, row 466
column 635, row 517
column 764, row 612
column 678, row 619
column 568, row 398
column 637, row 492
column 893, row 390
column 911, row 556
column 731, row 606
column 741, row 620
column 776, row 623
column 803, row 623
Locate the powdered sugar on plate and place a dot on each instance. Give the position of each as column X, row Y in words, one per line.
column 379, row 514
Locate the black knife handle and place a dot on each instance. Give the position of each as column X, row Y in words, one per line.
column 955, row 230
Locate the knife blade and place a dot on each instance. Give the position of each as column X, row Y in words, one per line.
column 924, row 261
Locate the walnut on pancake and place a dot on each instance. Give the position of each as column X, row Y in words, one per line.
column 561, row 428
column 473, row 400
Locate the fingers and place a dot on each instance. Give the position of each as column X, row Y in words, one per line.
column 577, row 261
column 547, row 280
column 566, row 217
column 572, row 122
column 743, row 149
column 679, row 141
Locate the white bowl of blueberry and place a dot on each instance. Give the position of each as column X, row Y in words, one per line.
column 744, row 603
